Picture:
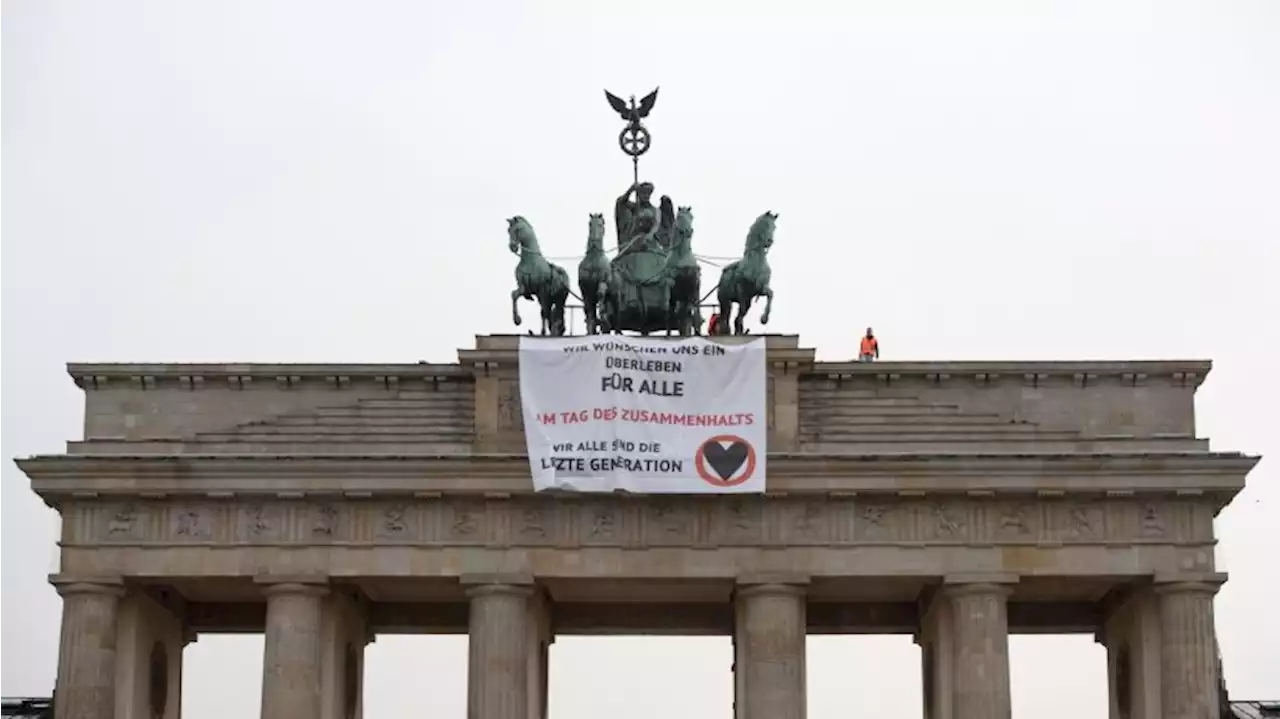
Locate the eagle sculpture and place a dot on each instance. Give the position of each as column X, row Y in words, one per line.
column 633, row 113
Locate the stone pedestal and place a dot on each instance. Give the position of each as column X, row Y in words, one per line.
column 980, row 685
column 86, row 683
column 1188, row 652
column 291, row 665
column 769, row 652
column 498, row 678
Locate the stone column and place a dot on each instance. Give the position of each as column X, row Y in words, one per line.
column 937, row 652
column 770, row 647
column 980, row 688
column 1188, row 652
column 343, row 641
column 151, row 637
column 292, row 656
column 86, row 683
column 498, row 667
column 538, row 646
column 1131, row 632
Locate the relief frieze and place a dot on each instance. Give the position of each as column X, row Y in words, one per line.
column 125, row 522
column 878, row 520
column 1152, row 521
column 945, row 522
column 191, row 522
column 809, row 522
column 536, row 523
column 465, row 521
column 324, row 524
column 1076, row 522
column 639, row 522
column 670, row 522
column 394, row 522
column 601, row 523
column 260, row 522
column 738, row 520
column 1014, row 521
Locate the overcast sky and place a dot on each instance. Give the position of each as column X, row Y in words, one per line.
column 320, row 181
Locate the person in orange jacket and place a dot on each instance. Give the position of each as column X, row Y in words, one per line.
column 869, row 350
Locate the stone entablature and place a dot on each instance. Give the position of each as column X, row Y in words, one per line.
column 637, row 523
column 1212, row 478
column 474, row 406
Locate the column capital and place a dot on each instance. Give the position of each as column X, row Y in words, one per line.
column 772, row 589
column 754, row 579
column 489, row 590
column 280, row 585
column 959, row 585
column 516, row 578
column 69, row 584
column 1203, row 583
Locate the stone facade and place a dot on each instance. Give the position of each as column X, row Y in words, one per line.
column 322, row 504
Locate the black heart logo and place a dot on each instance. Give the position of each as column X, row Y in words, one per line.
column 725, row 460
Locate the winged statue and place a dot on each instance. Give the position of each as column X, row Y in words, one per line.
column 633, row 113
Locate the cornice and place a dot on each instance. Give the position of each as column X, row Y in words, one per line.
column 240, row 375
column 59, row 477
column 1186, row 373
column 782, row 352
column 1183, row 372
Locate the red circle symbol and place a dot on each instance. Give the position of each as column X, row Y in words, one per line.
column 726, row 454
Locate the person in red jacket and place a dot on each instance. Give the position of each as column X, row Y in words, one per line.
column 869, row 350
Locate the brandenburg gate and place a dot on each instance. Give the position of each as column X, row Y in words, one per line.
column 323, row 504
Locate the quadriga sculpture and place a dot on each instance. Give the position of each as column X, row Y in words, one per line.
column 748, row 278
column 593, row 277
column 685, row 276
column 537, row 278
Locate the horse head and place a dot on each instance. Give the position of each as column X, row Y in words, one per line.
column 519, row 234
column 684, row 225
column 760, row 238
column 595, row 232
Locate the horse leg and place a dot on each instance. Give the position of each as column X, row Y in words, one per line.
column 768, row 305
column 744, row 306
column 549, row 317
column 558, row 313
column 667, row 315
column 516, row 294
column 722, row 320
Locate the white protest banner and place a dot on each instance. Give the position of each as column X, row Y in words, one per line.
column 651, row 416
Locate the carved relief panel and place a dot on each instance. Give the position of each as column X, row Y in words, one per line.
column 639, row 522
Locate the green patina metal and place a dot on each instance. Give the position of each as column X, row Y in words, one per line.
column 654, row 283
column 537, row 277
column 748, row 278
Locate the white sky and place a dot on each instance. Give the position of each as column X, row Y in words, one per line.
column 304, row 181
